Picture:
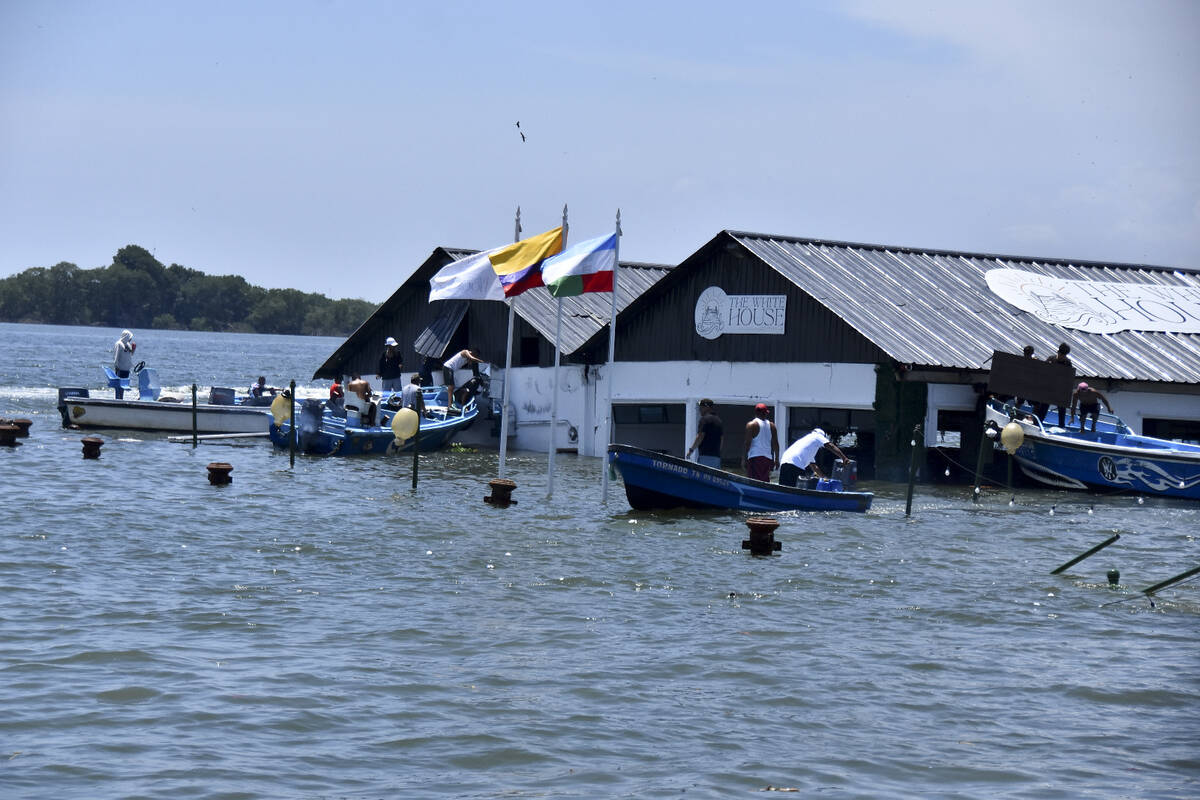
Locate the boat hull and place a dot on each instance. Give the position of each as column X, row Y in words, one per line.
column 157, row 415
column 1109, row 459
column 653, row 480
column 322, row 433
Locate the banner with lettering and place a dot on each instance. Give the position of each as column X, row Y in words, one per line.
column 1100, row 306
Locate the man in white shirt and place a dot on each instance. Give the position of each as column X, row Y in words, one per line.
column 801, row 456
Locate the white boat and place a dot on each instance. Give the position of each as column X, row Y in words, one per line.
column 223, row 411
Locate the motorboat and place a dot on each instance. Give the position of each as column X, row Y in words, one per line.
column 1110, row 458
column 657, row 480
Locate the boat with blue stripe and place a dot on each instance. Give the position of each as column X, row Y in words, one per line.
column 1111, row 458
column 657, row 480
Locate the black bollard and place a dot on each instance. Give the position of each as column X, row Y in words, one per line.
column 762, row 536
column 502, row 490
column 91, row 446
column 218, row 473
column 8, row 435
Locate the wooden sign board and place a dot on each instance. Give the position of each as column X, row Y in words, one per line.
column 1031, row 378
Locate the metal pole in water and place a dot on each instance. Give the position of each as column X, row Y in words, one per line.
column 984, row 441
column 195, row 424
column 1169, row 581
column 292, row 423
column 1093, row 551
column 416, row 448
column 912, row 470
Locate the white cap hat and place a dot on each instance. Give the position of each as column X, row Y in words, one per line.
column 390, row 342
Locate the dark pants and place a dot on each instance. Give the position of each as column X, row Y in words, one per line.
column 121, row 373
column 789, row 474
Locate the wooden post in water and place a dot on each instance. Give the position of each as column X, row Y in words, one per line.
column 912, row 470
column 292, row 433
column 195, row 423
column 416, row 448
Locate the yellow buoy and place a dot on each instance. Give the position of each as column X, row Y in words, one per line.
column 1012, row 436
column 404, row 424
column 281, row 408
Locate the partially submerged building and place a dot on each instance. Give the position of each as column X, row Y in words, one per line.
column 871, row 342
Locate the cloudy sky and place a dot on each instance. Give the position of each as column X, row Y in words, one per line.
column 331, row 146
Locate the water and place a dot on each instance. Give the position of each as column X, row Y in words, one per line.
column 327, row 632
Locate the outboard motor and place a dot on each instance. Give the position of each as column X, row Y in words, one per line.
column 65, row 393
column 308, row 423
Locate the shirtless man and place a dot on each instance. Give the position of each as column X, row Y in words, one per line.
column 1088, row 400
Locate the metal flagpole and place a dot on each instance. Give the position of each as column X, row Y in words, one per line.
column 508, row 363
column 554, row 402
column 612, row 349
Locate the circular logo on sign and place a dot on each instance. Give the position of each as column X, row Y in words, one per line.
column 1108, row 470
column 712, row 308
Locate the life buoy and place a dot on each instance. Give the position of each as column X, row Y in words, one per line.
column 138, row 367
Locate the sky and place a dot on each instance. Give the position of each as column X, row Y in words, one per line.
column 332, row 146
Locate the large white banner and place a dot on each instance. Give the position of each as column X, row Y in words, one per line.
column 1099, row 306
column 718, row 313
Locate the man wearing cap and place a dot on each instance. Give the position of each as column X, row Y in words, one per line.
column 801, row 456
column 707, row 443
column 391, row 364
column 1089, row 406
column 762, row 445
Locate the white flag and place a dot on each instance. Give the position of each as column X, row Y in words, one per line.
column 470, row 278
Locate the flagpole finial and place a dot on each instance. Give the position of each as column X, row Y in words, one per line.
column 517, row 226
column 619, row 222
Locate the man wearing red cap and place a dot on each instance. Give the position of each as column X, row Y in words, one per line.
column 762, row 445
column 1088, row 400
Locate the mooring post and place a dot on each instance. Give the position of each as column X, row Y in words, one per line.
column 501, row 495
column 1093, row 551
column 91, row 446
column 195, row 422
column 292, row 423
column 8, row 435
column 762, row 536
column 912, row 469
column 218, row 473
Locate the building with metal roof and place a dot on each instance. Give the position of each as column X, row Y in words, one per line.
column 869, row 340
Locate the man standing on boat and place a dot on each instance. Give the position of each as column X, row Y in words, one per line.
column 358, row 398
column 391, row 364
column 1088, row 400
column 708, row 436
column 801, row 456
column 123, row 359
column 412, row 397
column 458, row 361
column 762, row 446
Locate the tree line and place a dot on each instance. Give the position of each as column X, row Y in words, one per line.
column 137, row 291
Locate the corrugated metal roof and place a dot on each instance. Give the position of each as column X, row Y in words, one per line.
column 436, row 337
column 933, row 308
column 586, row 314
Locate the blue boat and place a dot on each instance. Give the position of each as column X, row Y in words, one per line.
column 657, row 480
column 323, row 431
column 1111, row 458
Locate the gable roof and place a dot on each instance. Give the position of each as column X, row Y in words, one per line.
column 583, row 316
column 933, row 308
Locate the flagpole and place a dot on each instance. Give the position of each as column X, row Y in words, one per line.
column 508, row 363
column 612, row 348
column 554, row 402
